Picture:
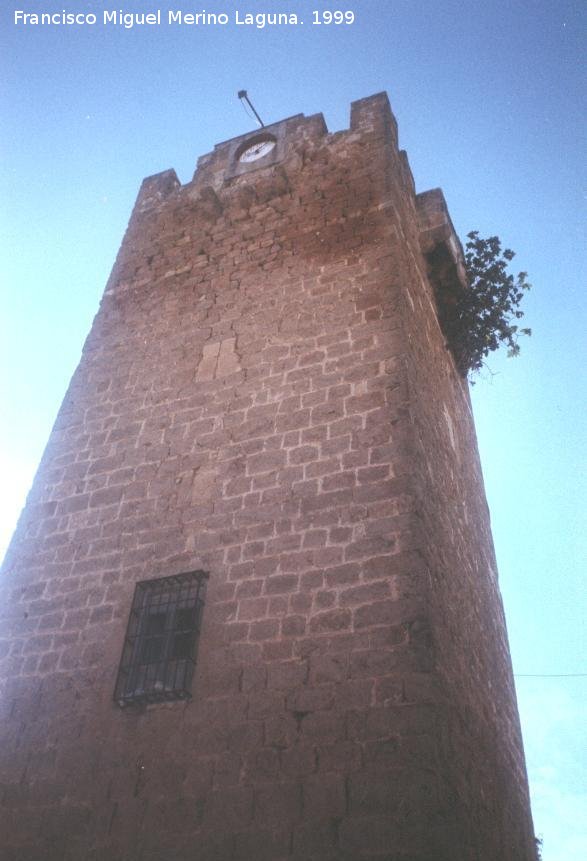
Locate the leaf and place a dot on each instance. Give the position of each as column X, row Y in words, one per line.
column 483, row 317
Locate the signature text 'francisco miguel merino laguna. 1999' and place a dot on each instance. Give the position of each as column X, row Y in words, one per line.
column 170, row 17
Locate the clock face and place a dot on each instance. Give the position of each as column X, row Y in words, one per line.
column 256, row 150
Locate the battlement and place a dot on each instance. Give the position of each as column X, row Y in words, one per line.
column 371, row 116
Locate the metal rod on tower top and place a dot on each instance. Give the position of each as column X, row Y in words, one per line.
column 242, row 94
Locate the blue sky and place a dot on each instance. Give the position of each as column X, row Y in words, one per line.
column 488, row 101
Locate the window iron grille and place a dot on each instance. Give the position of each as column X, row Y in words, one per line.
column 160, row 646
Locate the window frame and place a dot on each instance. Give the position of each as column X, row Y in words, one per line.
column 153, row 668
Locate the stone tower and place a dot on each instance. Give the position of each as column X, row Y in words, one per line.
column 267, row 434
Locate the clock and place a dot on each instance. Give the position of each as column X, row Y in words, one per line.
column 257, row 148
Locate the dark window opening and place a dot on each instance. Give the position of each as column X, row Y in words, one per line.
column 159, row 652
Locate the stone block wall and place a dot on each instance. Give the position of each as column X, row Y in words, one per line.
column 266, row 395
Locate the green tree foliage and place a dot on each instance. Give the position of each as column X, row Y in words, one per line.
column 485, row 315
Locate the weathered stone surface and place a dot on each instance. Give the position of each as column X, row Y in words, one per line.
column 266, row 394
